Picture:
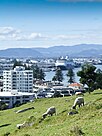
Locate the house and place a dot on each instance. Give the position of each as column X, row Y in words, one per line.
column 76, row 86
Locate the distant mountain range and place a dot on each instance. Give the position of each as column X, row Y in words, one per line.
column 81, row 50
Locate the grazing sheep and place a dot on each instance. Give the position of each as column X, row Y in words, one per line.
column 19, row 126
column 50, row 111
column 78, row 101
column 25, row 124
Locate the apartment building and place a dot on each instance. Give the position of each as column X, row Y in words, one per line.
column 18, row 79
column 13, row 97
column 5, row 66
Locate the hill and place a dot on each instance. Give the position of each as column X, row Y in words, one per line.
column 20, row 53
column 81, row 50
column 87, row 122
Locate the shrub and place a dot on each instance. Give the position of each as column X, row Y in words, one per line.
column 76, row 131
column 6, row 134
column 57, row 94
column 26, row 135
column 3, row 106
column 99, row 106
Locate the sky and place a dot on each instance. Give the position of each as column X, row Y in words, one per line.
column 47, row 23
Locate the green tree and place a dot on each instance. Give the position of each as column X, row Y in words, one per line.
column 99, row 79
column 88, row 76
column 41, row 75
column 35, row 71
column 38, row 73
column 58, row 75
column 17, row 63
column 54, row 79
column 26, row 67
column 71, row 75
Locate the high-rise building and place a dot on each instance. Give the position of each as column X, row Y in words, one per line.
column 18, row 79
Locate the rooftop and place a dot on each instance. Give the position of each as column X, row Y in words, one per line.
column 75, row 84
column 14, row 94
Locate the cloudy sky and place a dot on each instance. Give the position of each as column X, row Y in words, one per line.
column 46, row 23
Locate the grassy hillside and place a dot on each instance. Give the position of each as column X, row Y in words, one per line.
column 88, row 121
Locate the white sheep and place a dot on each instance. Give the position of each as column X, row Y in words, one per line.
column 78, row 101
column 50, row 111
column 20, row 125
column 25, row 124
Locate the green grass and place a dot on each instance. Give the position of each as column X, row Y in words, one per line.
column 88, row 121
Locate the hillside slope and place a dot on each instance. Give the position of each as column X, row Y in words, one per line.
column 20, row 53
column 81, row 50
column 87, row 122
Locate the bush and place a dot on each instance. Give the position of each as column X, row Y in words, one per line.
column 57, row 94
column 6, row 134
column 17, row 104
column 76, row 131
column 26, row 135
column 3, row 106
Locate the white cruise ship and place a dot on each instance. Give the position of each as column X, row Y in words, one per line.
column 64, row 64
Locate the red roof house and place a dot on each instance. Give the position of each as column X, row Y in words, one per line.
column 76, row 86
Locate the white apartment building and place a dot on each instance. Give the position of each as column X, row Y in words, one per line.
column 5, row 66
column 18, row 79
column 11, row 98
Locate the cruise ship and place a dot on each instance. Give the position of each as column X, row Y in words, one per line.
column 64, row 64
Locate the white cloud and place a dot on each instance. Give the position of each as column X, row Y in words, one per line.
column 69, row 37
column 35, row 36
column 31, row 37
column 8, row 31
column 2, row 37
column 12, row 34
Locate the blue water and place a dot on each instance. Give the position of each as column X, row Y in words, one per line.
column 49, row 75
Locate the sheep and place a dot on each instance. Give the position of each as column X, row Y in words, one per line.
column 78, row 101
column 25, row 124
column 50, row 111
column 20, row 125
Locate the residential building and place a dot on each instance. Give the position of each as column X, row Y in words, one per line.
column 5, row 66
column 18, row 79
column 76, row 86
column 13, row 97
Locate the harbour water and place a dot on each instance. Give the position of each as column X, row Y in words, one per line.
column 49, row 75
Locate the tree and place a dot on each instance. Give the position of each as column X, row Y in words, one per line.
column 41, row 75
column 17, row 63
column 35, row 71
column 88, row 76
column 58, row 75
column 54, row 78
column 71, row 75
column 26, row 67
column 99, row 79
column 38, row 73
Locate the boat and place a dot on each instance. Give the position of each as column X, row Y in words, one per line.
column 64, row 64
